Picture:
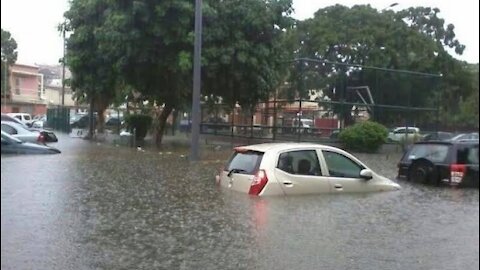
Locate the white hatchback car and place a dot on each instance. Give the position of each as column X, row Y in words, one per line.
column 298, row 168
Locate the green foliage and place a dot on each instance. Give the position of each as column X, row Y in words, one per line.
column 364, row 137
column 469, row 106
column 413, row 39
column 9, row 48
column 95, row 75
column 244, row 50
column 9, row 56
column 147, row 45
column 140, row 122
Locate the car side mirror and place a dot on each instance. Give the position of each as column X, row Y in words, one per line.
column 366, row 174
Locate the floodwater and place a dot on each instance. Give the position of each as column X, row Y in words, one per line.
column 97, row 206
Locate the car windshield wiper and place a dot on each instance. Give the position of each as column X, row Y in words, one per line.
column 235, row 171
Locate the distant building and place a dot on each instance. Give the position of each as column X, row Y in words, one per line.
column 33, row 89
column 27, row 92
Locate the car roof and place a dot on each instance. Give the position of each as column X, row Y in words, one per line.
column 449, row 142
column 16, row 125
column 264, row 147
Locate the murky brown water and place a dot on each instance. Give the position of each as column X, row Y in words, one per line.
column 105, row 207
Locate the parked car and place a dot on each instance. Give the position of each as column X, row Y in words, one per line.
column 298, row 168
column 401, row 133
column 465, row 136
column 11, row 145
column 25, row 118
column 335, row 133
column 437, row 163
column 81, row 121
column 305, row 125
column 39, row 121
column 114, row 122
column 437, row 136
column 215, row 123
column 49, row 136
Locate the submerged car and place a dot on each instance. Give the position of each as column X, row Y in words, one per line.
column 22, row 133
column 11, row 145
column 441, row 163
column 298, row 168
column 48, row 135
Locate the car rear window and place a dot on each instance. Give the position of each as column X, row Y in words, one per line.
column 467, row 155
column 246, row 162
column 432, row 152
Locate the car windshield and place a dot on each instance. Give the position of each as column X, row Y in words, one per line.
column 307, row 122
column 433, row 152
column 75, row 117
column 245, row 162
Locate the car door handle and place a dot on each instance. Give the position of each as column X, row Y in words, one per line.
column 287, row 183
column 338, row 186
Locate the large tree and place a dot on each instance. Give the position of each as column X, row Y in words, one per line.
column 150, row 45
column 244, row 49
column 9, row 56
column 94, row 77
column 413, row 39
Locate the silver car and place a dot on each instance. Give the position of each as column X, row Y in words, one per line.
column 298, row 168
column 20, row 132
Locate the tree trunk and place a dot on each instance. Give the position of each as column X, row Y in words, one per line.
column 101, row 121
column 101, row 106
column 161, row 120
column 91, row 125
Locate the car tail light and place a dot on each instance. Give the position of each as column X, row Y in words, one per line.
column 457, row 171
column 41, row 138
column 258, row 183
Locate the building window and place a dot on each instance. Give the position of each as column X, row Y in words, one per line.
column 39, row 90
column 17, row 86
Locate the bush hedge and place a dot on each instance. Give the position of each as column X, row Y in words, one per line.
column 366, row 136
column 140, row 122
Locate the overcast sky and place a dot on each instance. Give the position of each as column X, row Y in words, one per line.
column 33, row 23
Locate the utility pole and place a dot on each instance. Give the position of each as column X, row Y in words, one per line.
column 194, row 154
column 63, row 69
column 5, row 86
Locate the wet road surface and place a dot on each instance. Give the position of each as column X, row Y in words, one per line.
column 105, row 207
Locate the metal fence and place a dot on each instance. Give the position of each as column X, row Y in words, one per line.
column 59, row 118
column 320, row 98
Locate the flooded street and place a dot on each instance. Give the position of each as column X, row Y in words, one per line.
column 97, row 206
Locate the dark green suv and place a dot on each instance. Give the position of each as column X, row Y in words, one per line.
column 441, row 163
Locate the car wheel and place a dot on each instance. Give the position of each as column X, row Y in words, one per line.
column 422, row 171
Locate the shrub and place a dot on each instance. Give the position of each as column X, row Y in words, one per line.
column 366, row 136
column 140, row 122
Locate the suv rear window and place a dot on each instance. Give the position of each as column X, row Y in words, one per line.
column 467, row 155
column 432, row 152
column 246, row 162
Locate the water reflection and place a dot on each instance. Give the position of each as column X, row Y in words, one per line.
column 102, row 207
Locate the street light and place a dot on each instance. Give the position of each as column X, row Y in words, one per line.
column 63, row 70
column 5, row 86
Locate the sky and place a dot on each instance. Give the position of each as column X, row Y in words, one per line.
column 33, row 23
